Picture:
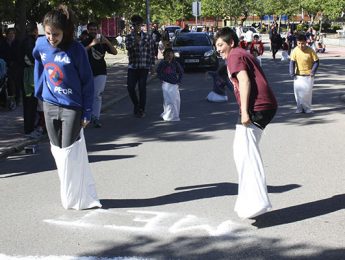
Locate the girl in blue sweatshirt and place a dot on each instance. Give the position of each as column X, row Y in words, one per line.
column 170, row 72
column 64, row 81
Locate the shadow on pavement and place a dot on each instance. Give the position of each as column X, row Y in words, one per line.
column 196, row 192
column 301, row 212
column 224, row 247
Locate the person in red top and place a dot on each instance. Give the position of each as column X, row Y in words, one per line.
column 257, row 48
column 257, row 105
column 243, row 43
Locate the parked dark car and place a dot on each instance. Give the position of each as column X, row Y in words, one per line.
column 171, row 30
column 195, row 49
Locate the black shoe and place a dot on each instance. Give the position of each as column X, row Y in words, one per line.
column 96, row 123
column 137, row 114
column 12, row 105
column 142, row 113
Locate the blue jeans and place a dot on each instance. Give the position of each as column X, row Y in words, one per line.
column 139, row 76
column 63, row 124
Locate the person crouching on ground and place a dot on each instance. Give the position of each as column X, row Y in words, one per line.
column 303, row 66
column 170, row 72
column 221, row 83
column 257, row 107
column 63, row 80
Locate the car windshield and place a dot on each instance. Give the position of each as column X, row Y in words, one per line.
column 171, row 29
column 192, row 40
column 245, row 29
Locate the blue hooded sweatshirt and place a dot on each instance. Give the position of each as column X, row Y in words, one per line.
column 63, row 77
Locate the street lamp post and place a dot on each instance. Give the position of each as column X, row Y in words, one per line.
column 148, row 16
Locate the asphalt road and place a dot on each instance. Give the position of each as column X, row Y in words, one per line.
column 168, row 189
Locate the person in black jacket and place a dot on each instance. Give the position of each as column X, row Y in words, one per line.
column 9, row 52
column 156, row 35
column 276, row 42
column 34, row 125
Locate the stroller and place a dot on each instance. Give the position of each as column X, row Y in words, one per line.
column 3, row 83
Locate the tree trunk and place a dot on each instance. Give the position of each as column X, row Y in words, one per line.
column 20, row 19
column 320, row 25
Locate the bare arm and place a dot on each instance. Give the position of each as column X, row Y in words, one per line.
column 244, row 89
column 92, row 43
column 111, row 47
column 103, row 39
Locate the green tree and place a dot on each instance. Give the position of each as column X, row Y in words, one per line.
column 279, row 8
column 333, row 9
column 20, row 11
column 229, row 9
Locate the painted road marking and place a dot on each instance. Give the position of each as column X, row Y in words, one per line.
column 148, row 222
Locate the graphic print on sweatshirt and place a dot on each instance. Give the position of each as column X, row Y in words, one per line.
column 56, row 75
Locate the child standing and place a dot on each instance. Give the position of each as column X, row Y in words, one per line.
column 170, row 72
column 257, row 48
column 303, row 65
column 242, row 43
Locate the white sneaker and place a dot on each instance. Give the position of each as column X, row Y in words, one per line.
column 309, row 111
column 299, row 111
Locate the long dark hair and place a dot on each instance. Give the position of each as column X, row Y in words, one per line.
column 227, row 34
column 61, row 18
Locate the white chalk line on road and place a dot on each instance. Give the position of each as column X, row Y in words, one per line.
column 64, row 257
column 136, row 221
column 148, row 222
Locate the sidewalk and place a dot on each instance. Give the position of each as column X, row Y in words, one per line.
column 12, row 138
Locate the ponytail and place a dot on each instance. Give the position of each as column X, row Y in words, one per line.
column 61, row 18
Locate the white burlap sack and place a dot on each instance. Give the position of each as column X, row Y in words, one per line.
column 303, row 90
column 171, row 103
column 252, row 199
column 77, row 186
column 214, row 97
column 285, row 56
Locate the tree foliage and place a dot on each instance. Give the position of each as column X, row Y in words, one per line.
column 166, row 11
column 333, row 9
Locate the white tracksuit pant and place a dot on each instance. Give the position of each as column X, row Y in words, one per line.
column 252, row 197
column 77, row 186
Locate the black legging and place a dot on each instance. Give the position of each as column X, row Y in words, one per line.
column 275, row 49
column 63, row 124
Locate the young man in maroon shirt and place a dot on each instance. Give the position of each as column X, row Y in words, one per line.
column 257, row 105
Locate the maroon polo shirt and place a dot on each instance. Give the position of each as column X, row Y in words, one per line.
column 261, row 95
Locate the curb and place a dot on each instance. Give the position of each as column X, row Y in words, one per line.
column 18, row 147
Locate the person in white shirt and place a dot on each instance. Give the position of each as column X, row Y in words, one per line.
column 239, row 30
column 249, row 37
